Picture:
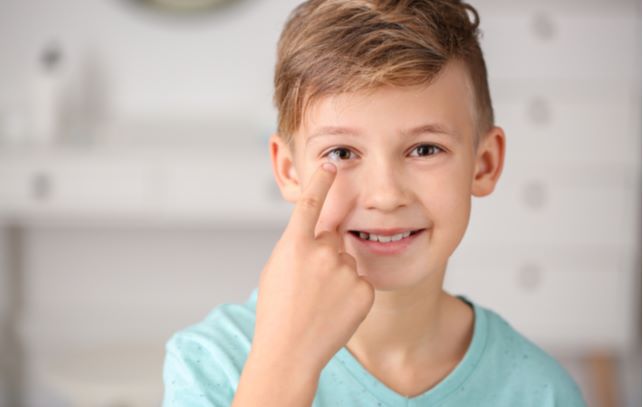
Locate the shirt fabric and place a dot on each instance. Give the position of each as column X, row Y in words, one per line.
column 501, row 368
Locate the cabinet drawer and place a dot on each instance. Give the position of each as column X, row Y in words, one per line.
column 537, row 40
column 97, row 186
column 548, row 125
column 73, row 186
column 546, row 205
column 198, row 186
column 559, row 297
column 236, row 188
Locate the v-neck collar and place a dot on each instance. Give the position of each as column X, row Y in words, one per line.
column 438, row 392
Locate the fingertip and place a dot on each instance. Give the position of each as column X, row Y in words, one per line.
column 329, row 167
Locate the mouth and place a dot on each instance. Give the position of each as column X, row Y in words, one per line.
column 385, row 236
column 386, row 242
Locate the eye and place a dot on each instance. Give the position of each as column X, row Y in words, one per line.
column 425, row 150
column 339, row 153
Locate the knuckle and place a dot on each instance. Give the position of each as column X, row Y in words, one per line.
column 309, row 202
column 326, row 238
column 326, row 253
column 366, row 289
column 348, row 260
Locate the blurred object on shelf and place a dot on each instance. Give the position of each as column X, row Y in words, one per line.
column 182, row 8
column 87, row 99
column 48, row 87
column 68, row 96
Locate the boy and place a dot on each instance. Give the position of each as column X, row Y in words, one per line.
column 385, row 131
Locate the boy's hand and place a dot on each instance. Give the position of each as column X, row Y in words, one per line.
column 310, row 299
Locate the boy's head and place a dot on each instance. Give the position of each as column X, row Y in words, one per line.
column 381, row 69
column 330, row 47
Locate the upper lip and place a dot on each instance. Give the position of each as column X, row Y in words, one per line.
column 385, row 232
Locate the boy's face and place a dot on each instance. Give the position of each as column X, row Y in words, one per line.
column 387, row 179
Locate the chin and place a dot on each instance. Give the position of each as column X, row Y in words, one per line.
column 383, row 279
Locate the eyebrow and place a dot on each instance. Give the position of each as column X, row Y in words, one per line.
column 430, row 128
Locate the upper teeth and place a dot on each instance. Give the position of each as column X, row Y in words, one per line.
column 384, row 239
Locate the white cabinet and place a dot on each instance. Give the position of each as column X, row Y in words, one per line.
column 575, row 40
column 554, row 248
column 570, row 299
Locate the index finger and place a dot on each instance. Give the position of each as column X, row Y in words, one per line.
column 308, row 207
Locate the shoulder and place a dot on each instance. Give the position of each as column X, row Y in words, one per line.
column 530, row 371
column 205, row 360
column 225, row 333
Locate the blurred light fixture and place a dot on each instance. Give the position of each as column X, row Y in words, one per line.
column 182, row 6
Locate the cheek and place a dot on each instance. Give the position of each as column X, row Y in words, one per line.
column 444, row 195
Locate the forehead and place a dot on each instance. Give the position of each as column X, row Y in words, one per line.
column 447, row 102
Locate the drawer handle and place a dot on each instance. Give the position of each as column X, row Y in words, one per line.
column 41, row 186
column 543, row 26
column 539, row 111
column 530, row 276
column 534, row 194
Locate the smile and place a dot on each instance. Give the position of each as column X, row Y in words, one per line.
column 386, row 244
column 384, row 238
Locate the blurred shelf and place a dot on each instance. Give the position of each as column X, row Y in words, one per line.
column 199, row 184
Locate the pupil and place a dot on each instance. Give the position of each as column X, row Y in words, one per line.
column 340, row 153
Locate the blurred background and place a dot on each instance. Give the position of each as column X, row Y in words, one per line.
column 136, row 192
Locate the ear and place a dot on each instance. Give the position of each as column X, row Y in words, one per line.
column 283, row 168
column 490, row 158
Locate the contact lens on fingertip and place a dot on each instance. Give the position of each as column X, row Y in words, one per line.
column 329, row 167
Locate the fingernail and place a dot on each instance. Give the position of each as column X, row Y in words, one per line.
column 329, row 167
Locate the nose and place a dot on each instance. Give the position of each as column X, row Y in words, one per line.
column 383, row 187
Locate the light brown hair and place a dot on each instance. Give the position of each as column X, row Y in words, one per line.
column 328, row 47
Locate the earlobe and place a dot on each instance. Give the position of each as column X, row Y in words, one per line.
column 489, row 162
column 284, row 170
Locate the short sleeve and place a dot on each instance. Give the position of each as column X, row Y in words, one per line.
column 568, row 393
column 192, row 376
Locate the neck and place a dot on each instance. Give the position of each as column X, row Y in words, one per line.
column 405, row 326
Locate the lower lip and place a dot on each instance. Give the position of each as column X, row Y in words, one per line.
column 390, row 248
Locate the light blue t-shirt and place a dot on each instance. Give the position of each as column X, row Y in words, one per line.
column 501, row 368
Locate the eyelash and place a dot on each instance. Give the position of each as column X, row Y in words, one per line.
column 414, row 148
